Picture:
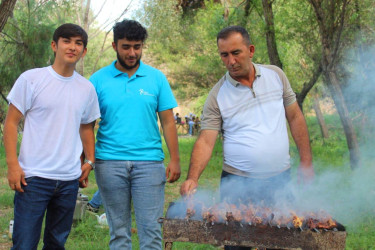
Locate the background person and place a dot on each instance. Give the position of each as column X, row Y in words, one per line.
column 59, row 107
column 129, row 167
column 250, row 104
column 94, row 204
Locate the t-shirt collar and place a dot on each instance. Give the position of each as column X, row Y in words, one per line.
column 140, row 71
column 236, row 83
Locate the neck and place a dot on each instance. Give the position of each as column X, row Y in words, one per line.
column 248, row 79
column 130, row 72
column 65, row 70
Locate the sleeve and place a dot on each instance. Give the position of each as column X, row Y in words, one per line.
column 211, row 118
column 289, row 97
column 166, row 99
column 92, row 111
column 21, row 94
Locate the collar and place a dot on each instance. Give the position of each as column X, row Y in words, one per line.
column 141, row 71
column 236, row 83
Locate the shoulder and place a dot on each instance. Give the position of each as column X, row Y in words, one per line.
column 149, row 70
column 82, row 81
column 34, row 74
column 271, row 69
column 216, row 88
column 101, row 72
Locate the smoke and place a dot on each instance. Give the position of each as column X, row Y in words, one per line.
column 347, row 195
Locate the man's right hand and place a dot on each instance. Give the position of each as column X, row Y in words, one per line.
column 188, row 187
column 16, row 177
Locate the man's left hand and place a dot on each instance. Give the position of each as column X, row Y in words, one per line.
column 173, row 171
column 84, row 179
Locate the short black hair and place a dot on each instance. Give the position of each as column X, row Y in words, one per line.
column 69, row 30
column 129, row 29
column 226, row 32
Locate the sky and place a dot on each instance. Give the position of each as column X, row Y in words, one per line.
column 113, row 8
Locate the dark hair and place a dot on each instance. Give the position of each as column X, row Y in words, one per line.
column 69, row 30
column 129, row 29
column 226, row 32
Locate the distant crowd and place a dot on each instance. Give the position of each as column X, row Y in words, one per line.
column 190, row 123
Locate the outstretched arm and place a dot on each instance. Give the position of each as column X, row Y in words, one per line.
column 86, row 132
column 200, row 157
column 298, row 128
column 167, row 121
column 16, row 176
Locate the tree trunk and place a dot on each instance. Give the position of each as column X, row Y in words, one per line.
column 330, row 29
column 320, row 118
column 338, row 98
column 307, row 86
column 6, row 9
column 270, row 34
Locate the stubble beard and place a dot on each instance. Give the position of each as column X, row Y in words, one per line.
column 124, row 65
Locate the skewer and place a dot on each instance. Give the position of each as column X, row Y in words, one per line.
column 301, row 228
column 278, row 226
column 250, row 223
column 241, row 225
column 316, row 230
column 325, row 229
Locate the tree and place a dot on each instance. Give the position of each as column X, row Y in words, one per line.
column 273, row 54
column 6, row 9
column 330, row 17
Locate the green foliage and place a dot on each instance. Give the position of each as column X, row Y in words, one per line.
column 26, row 39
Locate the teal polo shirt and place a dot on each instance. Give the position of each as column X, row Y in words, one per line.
column 128, row 129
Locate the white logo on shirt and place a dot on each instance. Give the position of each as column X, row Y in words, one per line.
column 142, row 92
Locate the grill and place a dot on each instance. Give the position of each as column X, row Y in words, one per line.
column 236, row 234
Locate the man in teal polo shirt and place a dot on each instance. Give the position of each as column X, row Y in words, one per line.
column 129, row 157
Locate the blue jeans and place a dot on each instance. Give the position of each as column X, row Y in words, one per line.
column 122, row 183
column 191, row 129
column 58, row 198
column 96, row 200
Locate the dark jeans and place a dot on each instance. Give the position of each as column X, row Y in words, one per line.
column 58, row 198
column 239, row 189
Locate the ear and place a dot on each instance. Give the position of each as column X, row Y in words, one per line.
column 84, row 52
column 252, row 50
column 114, row 46
column 54, row 46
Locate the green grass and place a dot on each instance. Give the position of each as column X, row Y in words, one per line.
column 329, row 155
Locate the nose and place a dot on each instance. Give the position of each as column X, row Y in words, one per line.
column 231, row 60
column 72, row 46
column 131, row 52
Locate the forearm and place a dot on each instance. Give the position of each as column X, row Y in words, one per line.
column 10, row 144
column 88, row 141
column 201, row 154
column 171, row 139
column 300, row 135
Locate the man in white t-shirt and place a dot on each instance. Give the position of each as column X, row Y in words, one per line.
column 59, row 107
column 250, row 105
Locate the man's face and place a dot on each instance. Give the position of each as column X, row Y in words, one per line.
column 129, row 53
column 69, row 50
column 236, row 55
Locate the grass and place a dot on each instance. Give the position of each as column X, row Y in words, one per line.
column 329, row 155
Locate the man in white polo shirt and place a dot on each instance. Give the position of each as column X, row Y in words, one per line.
column 250, row 105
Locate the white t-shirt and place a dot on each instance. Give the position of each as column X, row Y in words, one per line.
column 54, row 107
